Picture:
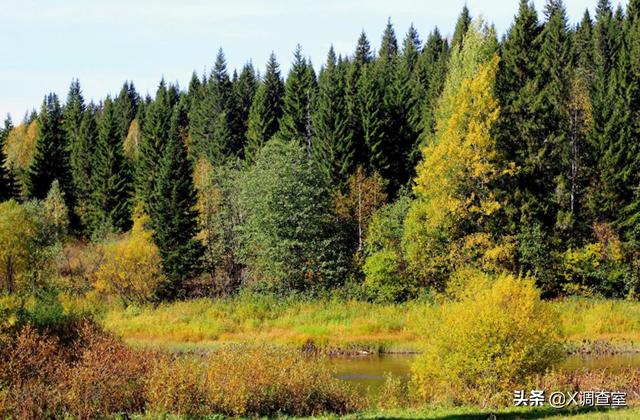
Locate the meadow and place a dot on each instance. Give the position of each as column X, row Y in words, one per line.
column 332, row 324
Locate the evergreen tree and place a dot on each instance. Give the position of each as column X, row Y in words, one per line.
column 244, row 90
column 516, row 89
column 431, row 75
column 299, row 93
column 72, row 118
column 362, row 57
column 583, row 47
column 111, row 187
column 552, row 151
column 50, row 158
column 8, row 186
column 82, row 159
column 211, row 119
column 125, row 108
column 173, row 213
column 332, row 145
column 620, row 162
column 406, row 94
column 266, row 109
column 462, row 26
column 155, row 135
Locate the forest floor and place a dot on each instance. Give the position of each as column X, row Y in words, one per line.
column 592, row 326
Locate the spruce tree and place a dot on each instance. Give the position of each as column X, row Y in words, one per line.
column 431, row 74
column 266, row 109
column 155, row 135
column 8, row 186
column 583, row 47
column 299, row 93
column 620, row 162
column 462, row 26
column 125, row 108
column 361, row 58
column 552, row 151
column 172, row 211
column 111, row 183
column 51, row 158
column 406, row 95
column 332, row 145
column 211, row 118
column 244, row 90
column 78, row 144
column 516, row 89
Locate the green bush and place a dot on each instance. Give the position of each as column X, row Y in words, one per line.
column 287, row 236
column 487, row 344
column 386, row 276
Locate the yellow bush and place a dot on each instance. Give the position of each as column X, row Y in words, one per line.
column 16, row 230
column 487, row 343
column 131, row 266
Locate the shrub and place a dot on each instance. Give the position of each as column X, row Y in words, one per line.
column 288, row 240
column 386, row 276
column 108, row 377
column 488, row 343
column 15, row 232
column 248, row 381
column 93, row 375
column 131, row 266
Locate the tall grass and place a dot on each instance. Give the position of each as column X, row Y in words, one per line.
column 333, row 323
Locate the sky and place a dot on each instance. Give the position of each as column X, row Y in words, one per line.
column 47, row 43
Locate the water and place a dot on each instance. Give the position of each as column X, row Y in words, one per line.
column 367, row 373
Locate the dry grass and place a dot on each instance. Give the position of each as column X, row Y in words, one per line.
column 206, row 323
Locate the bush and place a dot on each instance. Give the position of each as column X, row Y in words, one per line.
column 488, row 343
column 93, row 375
column 248, row 381
column 386, row 276
column 131, row 266
column 287, row 237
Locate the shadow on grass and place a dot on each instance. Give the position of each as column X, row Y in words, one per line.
column 533, row 413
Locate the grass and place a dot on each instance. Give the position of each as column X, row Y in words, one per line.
column 467, row 413
column 206, row 323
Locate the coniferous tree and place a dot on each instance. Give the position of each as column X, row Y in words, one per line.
column 244, row 90
column 583, row 47
column 620, row 162
column 8, row 186
column 125, row 107
column 462, row 26
column 173, row 213
column 266, row 109
column 78, row 144
column 431, row 72
column 51, row 158
column 362, row 57
column 111, row 186
column 553, row 149
column 516, row 89
column 211, row 119
column 406, row 94
column 155, row 135
column 299, row 93
column 332, row 145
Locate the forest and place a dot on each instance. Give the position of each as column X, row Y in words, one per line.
column 472, row 169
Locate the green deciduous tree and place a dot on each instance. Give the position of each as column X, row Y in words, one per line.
column 287, row 239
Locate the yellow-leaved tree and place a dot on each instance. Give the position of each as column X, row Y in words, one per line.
column 447, row 223
column 131, row 266
column 16, row 230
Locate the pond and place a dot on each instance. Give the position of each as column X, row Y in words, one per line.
column 366, row 373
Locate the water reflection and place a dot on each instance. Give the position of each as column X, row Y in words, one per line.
column 367, row 373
